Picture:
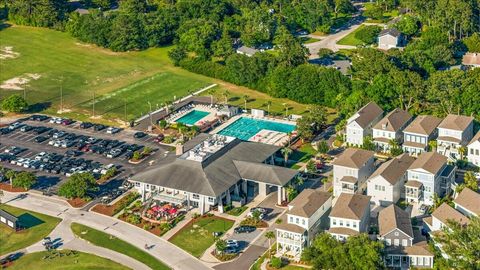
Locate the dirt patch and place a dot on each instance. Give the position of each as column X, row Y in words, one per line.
column 107, row 210
column 18, row 83
column 7, row 52
column 9, row 188
column 77, row 202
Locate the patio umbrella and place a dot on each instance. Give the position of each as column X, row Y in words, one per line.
column 172, row 211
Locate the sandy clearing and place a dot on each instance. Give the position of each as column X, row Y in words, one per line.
column 7, row 52
column 18, row 83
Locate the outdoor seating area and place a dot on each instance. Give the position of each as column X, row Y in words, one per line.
column 272, row 137
column 191, row 114
column 163, row 212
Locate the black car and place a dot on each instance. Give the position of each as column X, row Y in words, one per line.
column 72, row 153
column 244, row 229
column 26, row 128
column 98, row 127
column 6, row 157
column 40, row 139
column 139, row 135
column 51, row 132
column 40, row 130
column 38, row 117
column 5, row 130
column 86, row 125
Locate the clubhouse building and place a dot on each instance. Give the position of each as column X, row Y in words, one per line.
column 213, row 171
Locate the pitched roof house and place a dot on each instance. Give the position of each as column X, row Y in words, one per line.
column 419, row 132
column 360, row 124
column 390, row 128
column 468, row 203
column 349, row 216
column 390, row 38
column 471, row 60
column 473, row 151
column 386, row 184
column 454, row 132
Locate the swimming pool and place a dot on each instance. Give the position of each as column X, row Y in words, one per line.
column 192, row 117
column 244, row 128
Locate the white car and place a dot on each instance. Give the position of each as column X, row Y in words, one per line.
column 106, row 168
column 27, row 162
column 232, row 243
column 40, row 156
column 112, row 130
column 15, row 125
column 17, row 161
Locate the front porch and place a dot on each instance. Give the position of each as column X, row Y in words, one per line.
column 349, row 184
column 413, row 191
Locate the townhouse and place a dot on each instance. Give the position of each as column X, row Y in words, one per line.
column 214, row 171
column 390, row 128
column 360, row 124
column 351, row 170
column 303, row 220
column 441, row 216
column 403, row 249
column 467, row 202
column 386, row 185
column 419, row 132
column 429, row 173
column 473, row 152
column 454, row 132
column 350, row 215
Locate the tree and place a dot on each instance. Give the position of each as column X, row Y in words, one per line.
column 24, row 180
column 269, row 103
column 286, row 151
column 408, row 25
column 225, row 95
column 291, row 50
column 432, row 145
column 462, row 150
column 368, row 143
column 375, row 12
column 197, row 35
column 211, row 92
column 39, row 13
column 323, row 147
column 224, row 46
column 395, row 149
column 177, row 54
column 311, row 167
column 461, row 244
column 473, row 43
column 469, row 181
column 221, row 245
column 270, row 235
column 14, row 103
column 368, row 34
column 246, row 98
column 358, row 252
column 77, row 186
column 10, row 174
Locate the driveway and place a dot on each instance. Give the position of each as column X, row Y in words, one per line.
column 162, row 249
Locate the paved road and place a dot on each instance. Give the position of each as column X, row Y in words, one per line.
column 162, row 249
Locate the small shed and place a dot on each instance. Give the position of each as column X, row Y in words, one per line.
column 390, row 38
column 8, row 219
column 471, row 60
column 248, row 51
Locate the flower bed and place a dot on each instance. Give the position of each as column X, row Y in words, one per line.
column 77, row 202
column 223, row 257
column 9, row 188
column 111, row 210
column 250, row 221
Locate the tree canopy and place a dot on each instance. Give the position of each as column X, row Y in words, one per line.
column 77, row 186
column 14, row 103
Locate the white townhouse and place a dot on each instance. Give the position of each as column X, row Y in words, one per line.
column 350, row 216
column 386, row 184
column 360, row 124
column 442, row 215
column 390, row 38
column 402, row 248
column 468, row 203
column 302, row 223
column 351, row 170
column 427, row 175
column 419, row 132
column 390, row 128
column 454, row 132
column 473, row 152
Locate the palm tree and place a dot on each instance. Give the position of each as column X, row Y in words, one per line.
column 433, row 145
column 270, row 235
column 286, row 151
column 10, row 175
column 286, row 108
column 462, row 150
column 211, row 92
column 245, row 99
column 226, row 94
column 325, row 180
column 269, row 103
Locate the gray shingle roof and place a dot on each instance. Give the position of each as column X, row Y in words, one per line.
column 394, row 169
column 394, row 120
column 353, row 158
column 392, row 31
column 219, row 172
column 431, row 162
column 456, row 122
column 351, row 206
column 308, row 202
column 469, row 200
column 368, row 113
column 423, row 124
column 393, row 217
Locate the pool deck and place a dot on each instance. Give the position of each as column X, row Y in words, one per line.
column 264, row 135
column 210, row 117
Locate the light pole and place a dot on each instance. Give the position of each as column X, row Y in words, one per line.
column 125, row 111
column 93, row 105
column 150, row 113
column 61, row 94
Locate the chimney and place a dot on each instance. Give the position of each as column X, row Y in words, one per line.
column 179, row 150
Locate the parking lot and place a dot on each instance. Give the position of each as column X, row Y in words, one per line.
column 55, row 151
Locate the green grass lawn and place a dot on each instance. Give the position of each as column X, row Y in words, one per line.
column 304, row 153
column 53, row 55
column 387, row 15
column 308, row 40
column 196, row 237
column 237, row 211
column 108, row 241
column 73, row 261
column 38, row 226
column 350, row 38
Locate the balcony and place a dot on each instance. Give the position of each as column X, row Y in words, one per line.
column 170, row 197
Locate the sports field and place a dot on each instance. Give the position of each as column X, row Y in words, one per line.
column 43, row 62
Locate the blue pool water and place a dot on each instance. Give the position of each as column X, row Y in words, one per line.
column 244, row 128
column 192, row 117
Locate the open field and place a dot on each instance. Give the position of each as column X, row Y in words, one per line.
column 37, row 227
column 44, row 61
column 105, row 240
column 197, row 236
column 69, row 261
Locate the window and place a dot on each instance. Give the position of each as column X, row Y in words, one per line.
column 471, row 151
column 211, row 199
column 303, row 221
column 396, row 233
column 347, row 223
column 404, row 242
column 297, row 221
column 341, row 222
column 334, row 221
column 196, row 196
column 396, row 242
column 477, row 152
column 388, row 242
column 291, row 219
column 137, row 184
column 383, row 188
column 354, row 224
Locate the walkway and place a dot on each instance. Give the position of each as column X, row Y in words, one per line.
column 163, row 250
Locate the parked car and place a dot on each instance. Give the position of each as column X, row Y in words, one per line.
column 5, row 130
column 15, row 125
column 26, row 128
column 231, row 250
column 38, row 117
column 232, row 243
column 159, row 138
column 244, row 229
column 98, row 127
column 66, row 122
column 59, row 134
column 112, row 130
column 40, row 139
column 40, row 130
column 139, row 135
column 86, row 125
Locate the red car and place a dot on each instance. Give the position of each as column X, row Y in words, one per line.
column 159, row 138
column 66, row 122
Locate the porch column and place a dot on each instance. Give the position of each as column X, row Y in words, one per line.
column 279, row 195
column 229, row 198
column 220, row 205
column 201, row 205
column 188, row 201
column 262, row 189
column 284, row 194
column 236, row 190
column 144, row 196
column 245, row 187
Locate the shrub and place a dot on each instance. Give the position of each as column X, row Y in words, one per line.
column 276, row 262
column 134, row 219
column 368, row 34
